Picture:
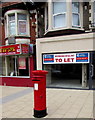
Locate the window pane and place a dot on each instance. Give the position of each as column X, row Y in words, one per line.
column 11, row 17
column 22, row 24
column 75, row 7
column 59, row 21
column 22, row 17
column 12, row 28
column 12, row 24
column 11, row 62
column 76, row 20
column 22, row 27
column 59, row 7
column 23, row 66
column 18, row 66
column 2, row 66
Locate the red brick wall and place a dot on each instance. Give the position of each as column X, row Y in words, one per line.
column 32, row 28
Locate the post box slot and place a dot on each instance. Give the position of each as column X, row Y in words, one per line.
column 35, row 80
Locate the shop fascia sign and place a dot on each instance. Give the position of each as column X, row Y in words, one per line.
column 14, row 49
column 66, row 58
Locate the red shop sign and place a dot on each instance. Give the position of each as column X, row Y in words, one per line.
column 25, row 48
column 13, row 49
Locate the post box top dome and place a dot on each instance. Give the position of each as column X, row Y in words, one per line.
column 39, row 72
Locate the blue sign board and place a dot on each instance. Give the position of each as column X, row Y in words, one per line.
column 48, row 58
column 82, row 57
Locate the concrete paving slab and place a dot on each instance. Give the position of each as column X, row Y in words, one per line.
column 61, row 103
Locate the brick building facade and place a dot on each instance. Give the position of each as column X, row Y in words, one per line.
column 17, row 43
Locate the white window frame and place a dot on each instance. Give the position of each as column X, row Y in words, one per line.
column 16, row 12
column 76, row 13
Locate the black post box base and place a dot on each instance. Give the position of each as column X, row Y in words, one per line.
column 40, row 113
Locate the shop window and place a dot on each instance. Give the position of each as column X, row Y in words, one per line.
column 59, row 15
column 23, row 67
column 2, row 66
column 75, row 14
column 16, row 23
column 17, row 66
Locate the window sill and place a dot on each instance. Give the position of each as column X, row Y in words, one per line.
column 63, row 31
column 64, row 28
column 17, row 37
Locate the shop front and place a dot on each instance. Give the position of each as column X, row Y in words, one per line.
column 67, row 70
column 69, row 60
column 17, row 64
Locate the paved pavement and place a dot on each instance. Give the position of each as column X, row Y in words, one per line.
column 17, row 102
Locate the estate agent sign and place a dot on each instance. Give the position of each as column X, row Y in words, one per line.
column 66, row 58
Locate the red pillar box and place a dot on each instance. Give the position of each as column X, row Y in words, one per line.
column 39, row 81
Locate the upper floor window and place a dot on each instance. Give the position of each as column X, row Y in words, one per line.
column 64, row 15
column 11, row 24
column 75, row 14
column 59, row 14
column 17, row 23
column 22, row 24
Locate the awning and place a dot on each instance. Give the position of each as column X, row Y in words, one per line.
column 16, row 49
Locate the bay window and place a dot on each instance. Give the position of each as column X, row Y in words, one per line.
column 75, row 14
column 17, row 23
column 64, row 15
column 59, row 14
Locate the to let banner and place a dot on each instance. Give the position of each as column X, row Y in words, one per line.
column 66, row 58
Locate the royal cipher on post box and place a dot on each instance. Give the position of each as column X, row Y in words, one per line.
column 39, row 83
